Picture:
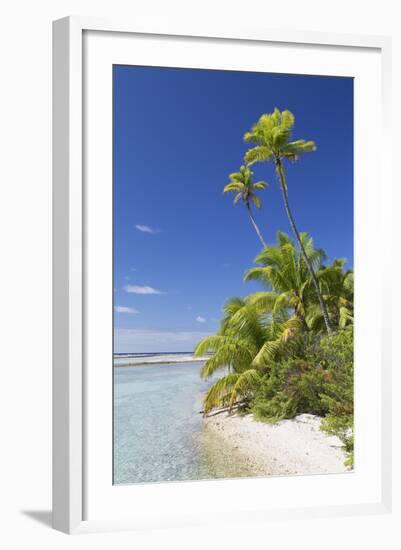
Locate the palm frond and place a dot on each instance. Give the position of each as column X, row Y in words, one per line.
column 287, row 119
column 294, row 149
column 256, row 201
column 246, row 383
column 260, row 185
column 263, row 301
column 267, row 353
column 208, row 344
column 219, row 394
column 236, row 355
column 258, row 154
column 259, row 274
column 237, row 198
column 291, row 328
column 232, row 306
column 233, row 187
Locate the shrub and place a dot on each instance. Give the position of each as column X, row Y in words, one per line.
column 319, row 380
column 338, row 395
column 291, row 388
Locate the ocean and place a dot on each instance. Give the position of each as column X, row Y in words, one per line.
column 159, row 432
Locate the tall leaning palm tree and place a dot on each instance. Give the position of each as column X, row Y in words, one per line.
column 271, row 136
column 242, row 184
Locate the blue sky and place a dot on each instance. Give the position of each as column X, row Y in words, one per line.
column 180, row 246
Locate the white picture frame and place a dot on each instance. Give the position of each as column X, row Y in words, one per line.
column 70, row 250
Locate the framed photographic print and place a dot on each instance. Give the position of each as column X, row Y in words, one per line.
column 219, row 318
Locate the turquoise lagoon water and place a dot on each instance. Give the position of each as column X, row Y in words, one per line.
column 159, row 433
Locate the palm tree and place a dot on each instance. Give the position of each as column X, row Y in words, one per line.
column 241, row 183
column 238, row 341
column 271, row 135
column 286, row 275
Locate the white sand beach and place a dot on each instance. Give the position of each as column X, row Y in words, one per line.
column 295, row 446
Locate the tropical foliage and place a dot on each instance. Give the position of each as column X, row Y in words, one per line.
column 286, row 349
column 243, row 332
column 272, row 348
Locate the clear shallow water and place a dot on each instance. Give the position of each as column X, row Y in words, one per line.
column 159, row 434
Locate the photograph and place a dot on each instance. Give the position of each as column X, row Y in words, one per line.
column 233, row 274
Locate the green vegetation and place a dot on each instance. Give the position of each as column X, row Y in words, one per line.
column 287, row 349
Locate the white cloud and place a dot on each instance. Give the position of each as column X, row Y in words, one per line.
column 200, row 319
column 147, row 229
column 135, row 289
column 143, row 340
column 124, row 309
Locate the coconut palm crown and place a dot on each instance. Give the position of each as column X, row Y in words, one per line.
column 271, row 135
column 242, row 184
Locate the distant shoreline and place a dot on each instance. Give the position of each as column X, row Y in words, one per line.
column 162, row 362
column 152, row 354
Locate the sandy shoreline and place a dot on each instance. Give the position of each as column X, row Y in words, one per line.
column 295, row 446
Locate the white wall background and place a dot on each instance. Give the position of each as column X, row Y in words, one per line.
column 25, row 218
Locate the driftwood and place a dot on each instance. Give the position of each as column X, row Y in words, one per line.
column 234, row 407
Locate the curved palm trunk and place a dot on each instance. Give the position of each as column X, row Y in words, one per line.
column 255, row 225
column 283, row 185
